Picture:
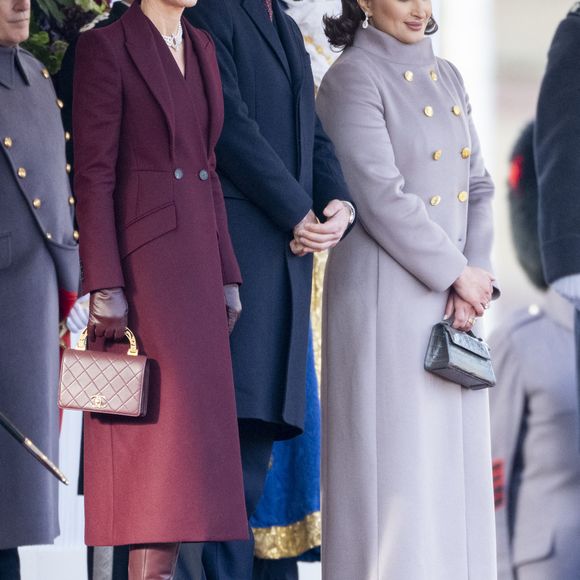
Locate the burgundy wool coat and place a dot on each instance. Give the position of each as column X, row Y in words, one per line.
column 152, row 220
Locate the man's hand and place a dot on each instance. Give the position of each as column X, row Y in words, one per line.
column 108, row 311
column 317, row 237
column 233, row 305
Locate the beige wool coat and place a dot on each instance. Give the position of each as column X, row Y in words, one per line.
column 407, row 485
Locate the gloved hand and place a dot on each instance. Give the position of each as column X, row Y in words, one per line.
column 233, row 304
column 108, row 314
column 78, row 317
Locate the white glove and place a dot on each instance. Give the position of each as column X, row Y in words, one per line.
column 79, row 315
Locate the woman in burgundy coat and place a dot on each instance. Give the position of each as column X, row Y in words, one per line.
column 154, row 244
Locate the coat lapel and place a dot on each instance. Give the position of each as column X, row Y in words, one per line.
column 141, row 47
column 292, row 43
column 211, row 83
column 257, row 12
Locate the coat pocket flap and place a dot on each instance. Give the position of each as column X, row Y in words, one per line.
column 533, row 546
column 147, row 228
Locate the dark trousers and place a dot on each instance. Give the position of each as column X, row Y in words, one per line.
column 9, row 564
column 107, row 563
column 283, row 569
column 234, row 560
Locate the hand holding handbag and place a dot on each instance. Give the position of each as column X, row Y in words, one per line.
column 460, row 357
column 104, row 382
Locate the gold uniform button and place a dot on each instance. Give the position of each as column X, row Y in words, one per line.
column 45, row 73
column 462, row 196
column 435, row 200
column 36, row 202
column 428, row 111
column 59, row 103
column 48, row 236
column 76, row 235
column 71, row 200
column 456, row 110
column 409, row 76
column 7, row 142
column 21, row 172
column 433, row 76
column 437, row 155
column 68, row 168
column 466, row 153
column 67, row 136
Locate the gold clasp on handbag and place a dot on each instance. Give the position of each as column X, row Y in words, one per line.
column 133, row 350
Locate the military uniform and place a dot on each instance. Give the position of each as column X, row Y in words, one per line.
column 38, row 262
column 534, row 419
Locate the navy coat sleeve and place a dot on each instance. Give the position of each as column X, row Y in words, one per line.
column 244, row 156
column 557, row 142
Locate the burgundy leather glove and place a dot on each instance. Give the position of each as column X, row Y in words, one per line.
column 233, row 304
column 108, row 314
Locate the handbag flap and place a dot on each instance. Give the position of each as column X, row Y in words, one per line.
column 468, row 342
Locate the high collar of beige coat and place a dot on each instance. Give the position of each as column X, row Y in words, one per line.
column 405, row 21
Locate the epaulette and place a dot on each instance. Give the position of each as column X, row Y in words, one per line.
column 575, row 10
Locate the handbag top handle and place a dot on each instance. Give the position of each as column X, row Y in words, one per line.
column 133, row 350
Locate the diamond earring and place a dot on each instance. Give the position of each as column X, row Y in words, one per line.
column 365, row 23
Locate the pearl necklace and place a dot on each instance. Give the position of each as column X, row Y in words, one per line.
column 174, row 41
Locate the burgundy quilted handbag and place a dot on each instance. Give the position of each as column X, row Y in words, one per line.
column 104, row 382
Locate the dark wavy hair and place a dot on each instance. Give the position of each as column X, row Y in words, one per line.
column 340, row 30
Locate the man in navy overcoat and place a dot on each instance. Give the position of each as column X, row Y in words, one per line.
column 557, row 154
column 278, row 171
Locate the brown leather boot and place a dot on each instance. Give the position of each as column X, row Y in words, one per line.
column 153, row 561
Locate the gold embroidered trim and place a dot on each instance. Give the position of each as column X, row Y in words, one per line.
column 288, row 541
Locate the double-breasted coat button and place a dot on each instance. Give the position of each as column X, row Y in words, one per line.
column 462, row 196
column 433, row 76
column 466, row 153
column 67, row 136
column 178, row 173
column 409, row 76
column 438, row 154
column 21, row 172
column 36, row 202
column 59, row 103
column 7, row 142
column 68, row 168
column 48, row 236
column 203, row 175
column 44, row 72
column 428, row 110
column 76, row 235
column 435, row 200
column 456, row 110
column 71, row 200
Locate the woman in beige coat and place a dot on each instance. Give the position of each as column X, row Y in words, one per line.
column 407, row 488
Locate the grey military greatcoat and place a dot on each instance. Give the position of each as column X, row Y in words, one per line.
column 534, row 426
column 38, row 257
column 407, row 487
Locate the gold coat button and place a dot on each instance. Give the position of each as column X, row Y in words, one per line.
column 7, row 142
column 435, row 200
column 428, row 110
column 409, row 76
column 466, row 153
column 67, row 136
column 456, row 110
column 433, row 76
column 59, row 103
column 71, row 200
column 36, row 202
column 438, row 154
column 462, row 196
column 21, row 172
column 45, row 73
column 76, row 235
column 68, row 168
column 48, row 236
